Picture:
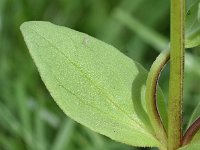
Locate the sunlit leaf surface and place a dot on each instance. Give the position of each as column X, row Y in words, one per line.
column 91, row 81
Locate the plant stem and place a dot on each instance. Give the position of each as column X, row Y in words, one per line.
column 176, row 74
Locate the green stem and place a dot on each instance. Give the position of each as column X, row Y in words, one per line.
column 176, row 74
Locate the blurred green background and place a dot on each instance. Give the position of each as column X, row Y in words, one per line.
column 29, row 118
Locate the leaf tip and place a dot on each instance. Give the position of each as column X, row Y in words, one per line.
column 31, row 24
column 24, row 26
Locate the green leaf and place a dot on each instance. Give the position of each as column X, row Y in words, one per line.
column 192, row 32
column 195, row 142
column 192, row 146
column 91, row 81
column 159, row 125
column 195, row 115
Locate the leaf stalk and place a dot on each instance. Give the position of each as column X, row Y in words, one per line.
column 151, row 96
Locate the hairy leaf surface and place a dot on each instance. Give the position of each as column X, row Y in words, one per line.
column 91, row 81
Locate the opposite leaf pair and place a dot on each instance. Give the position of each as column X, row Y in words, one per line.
column 98, row 86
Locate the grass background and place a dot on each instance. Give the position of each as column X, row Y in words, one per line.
column 29, row 118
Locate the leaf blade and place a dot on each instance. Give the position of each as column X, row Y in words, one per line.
column 94, row 77
column 192, row 32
